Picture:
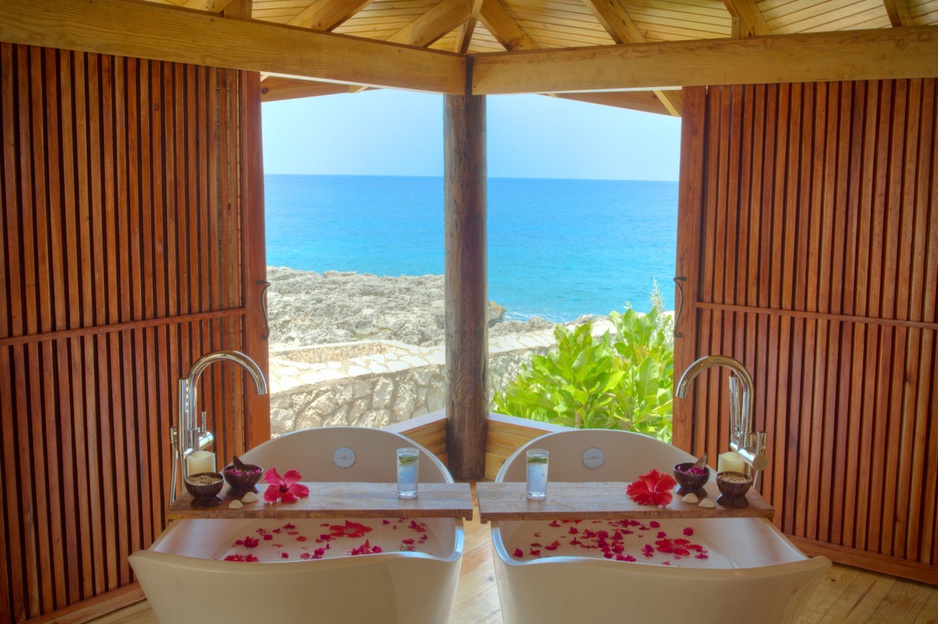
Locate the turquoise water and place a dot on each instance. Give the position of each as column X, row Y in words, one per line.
column 556, row 248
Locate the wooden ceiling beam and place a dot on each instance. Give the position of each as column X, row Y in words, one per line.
column 160, row 32
column 435, row 23
column 324, row 15
column 622, row 28
column 504, row 27
column 908, row 52
column 748, row 20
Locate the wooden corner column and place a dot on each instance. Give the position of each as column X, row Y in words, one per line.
column 254, row 267
column 465, row 285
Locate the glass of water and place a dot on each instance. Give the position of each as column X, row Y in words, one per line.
column 407, row 464
column 537, row 473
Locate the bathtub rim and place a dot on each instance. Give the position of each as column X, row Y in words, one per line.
column 696, row 573
column 459, row 544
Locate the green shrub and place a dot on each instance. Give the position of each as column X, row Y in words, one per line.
column 620, row 380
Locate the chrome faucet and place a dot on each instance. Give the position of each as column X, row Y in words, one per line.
column 750, row 445
column 191, row 434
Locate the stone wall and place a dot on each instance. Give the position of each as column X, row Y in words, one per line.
column 377, row 383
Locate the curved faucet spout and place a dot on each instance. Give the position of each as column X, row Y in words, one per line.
column 742, row 438
column 706, row 362
column 192, row 435
column 231, row 356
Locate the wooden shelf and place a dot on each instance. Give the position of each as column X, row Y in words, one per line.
column 593, row 501
column 331, row 500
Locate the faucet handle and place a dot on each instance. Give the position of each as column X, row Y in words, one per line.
column 752, row 449
column 757, row 461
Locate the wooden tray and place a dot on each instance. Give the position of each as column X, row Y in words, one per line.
column 331, row 500
column 600, row 500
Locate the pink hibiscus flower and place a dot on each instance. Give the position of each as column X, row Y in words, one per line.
column 286, row 489
column 652, row 488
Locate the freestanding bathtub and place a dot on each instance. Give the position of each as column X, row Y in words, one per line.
column 304, row 571
column 665, row 571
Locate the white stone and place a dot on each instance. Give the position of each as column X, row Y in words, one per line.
column 235, row 504
column 397, row 366
column 382, row 394
column 250, row 497
column 362, row 389
column 707, row 503
column 691, row 498
column 311, row 378
column 404, row 406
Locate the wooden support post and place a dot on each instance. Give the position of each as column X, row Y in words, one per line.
column 254, row 269
column 687, row 268
column 466, row 285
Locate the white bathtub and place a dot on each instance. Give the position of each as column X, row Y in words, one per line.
column 734, row 569
column 186, row 579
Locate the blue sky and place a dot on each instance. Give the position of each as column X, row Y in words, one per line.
column 400, row 133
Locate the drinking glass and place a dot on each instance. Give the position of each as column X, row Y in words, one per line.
column 407, row 463
column 537, row 473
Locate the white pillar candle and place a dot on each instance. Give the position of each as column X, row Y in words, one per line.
column 201, row 461
column 731, row 462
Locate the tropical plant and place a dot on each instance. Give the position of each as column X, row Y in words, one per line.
column 622, row 379
column 646, row 347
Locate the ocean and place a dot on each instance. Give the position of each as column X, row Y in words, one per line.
column 557, row 249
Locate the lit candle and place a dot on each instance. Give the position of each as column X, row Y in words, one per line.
column 201, row 461
column 731, row 462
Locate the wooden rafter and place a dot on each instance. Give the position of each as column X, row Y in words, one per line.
column 898, row 11
column 464, row 36
column 616, row 20
column 430, row 26
column 211, row 6
column 908, row 52
column 504, row 27
column 238, row 9
column 622, row 28
column 748, row 20
column 274, row 88
column 325, row 15
column 645, row 101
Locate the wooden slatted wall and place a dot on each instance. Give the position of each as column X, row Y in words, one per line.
column 120, row 232
column 809, row 237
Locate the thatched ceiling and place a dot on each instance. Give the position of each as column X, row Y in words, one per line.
column 633, row 53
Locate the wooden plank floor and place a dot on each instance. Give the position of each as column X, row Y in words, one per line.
column 844, row 595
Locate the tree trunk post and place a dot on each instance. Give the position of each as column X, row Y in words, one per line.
column 465, row 288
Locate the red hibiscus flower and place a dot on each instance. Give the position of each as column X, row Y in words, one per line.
column 286, row 489
column 653, row 488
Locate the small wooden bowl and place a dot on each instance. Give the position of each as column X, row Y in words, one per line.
column 733, row 486
column 204, row 488
column 688, row 482
column 242, row 479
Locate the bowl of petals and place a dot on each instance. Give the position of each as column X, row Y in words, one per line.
column 691, row 479
column 204, row 488
column 242, row 478
column 733, row 487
